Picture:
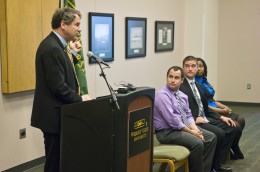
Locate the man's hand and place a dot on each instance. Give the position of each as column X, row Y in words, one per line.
column 198, row 134
column 75, row 46
column 227, row 120
column 200, row 120
column 85, row 97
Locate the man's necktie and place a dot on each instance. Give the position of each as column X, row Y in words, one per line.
column 201, row 109
column 67, row 49
column 183, row 114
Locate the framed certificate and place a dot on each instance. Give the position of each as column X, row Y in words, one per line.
column 164, row 36
column 101, row 36
column 135, row 37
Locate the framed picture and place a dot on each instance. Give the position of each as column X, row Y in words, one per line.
column 101, row 36
column 164, row 36
column 135, row 37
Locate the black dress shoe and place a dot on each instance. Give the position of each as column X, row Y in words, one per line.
column 223, row 168
column 239, row 154
column 233, row 156
column 236, row 154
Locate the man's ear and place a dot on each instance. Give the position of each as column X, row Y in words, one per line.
column 62, row 25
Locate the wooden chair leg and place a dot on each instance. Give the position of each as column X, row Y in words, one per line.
column 172, row 164
column 187, row 165
column 162, row 167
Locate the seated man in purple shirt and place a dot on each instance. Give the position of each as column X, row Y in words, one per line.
column 174, row 123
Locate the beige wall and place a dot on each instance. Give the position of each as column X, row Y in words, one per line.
column 144, row 71
column 239, row 49
column 15, row 109
column 15, row 112
column 201, row 33
column 223, row 32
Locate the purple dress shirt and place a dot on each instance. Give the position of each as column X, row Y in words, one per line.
column 166, row 113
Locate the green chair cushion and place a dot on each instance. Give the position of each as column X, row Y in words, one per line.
column 175, row 152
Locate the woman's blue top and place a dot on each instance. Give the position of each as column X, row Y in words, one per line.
column 207, row 90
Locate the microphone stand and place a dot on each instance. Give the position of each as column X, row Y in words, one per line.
column 112, row 92
column 116, row 107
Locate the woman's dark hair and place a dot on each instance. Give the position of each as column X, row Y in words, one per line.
column 205, row 66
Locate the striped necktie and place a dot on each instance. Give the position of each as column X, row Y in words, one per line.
column 183, row 114
column 201, row 109
column 68, row 51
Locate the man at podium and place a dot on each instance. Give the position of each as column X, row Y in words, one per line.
column 56, row 81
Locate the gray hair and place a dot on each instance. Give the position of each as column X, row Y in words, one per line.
column 66, row 14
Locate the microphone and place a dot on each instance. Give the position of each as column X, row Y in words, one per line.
column 98, row 59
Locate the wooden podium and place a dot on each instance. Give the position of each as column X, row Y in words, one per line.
column 97, row 138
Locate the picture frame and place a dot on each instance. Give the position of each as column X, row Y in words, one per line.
column 101, row 36
column 164, row 36
column 135, row 37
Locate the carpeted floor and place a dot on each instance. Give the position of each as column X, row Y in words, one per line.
column 249, row 143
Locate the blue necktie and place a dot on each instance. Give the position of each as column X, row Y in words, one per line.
column 201, row 109
column 183, row 114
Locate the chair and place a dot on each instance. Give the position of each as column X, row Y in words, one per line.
column 173, row 155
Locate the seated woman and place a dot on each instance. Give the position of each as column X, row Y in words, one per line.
column 208, row 91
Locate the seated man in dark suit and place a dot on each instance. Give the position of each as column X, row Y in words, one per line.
column 222, row 126
column 174, row 123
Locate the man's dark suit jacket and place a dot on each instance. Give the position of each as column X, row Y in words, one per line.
column 185, row 88
column 56, row 85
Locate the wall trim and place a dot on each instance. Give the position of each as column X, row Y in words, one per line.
column 240, row 103
column 27, row 165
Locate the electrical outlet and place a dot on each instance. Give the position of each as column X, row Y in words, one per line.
column 22, row 133
column 248, row 86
